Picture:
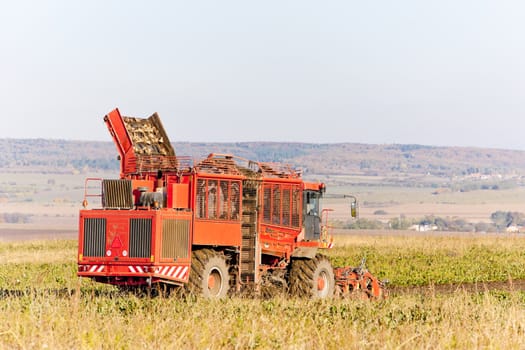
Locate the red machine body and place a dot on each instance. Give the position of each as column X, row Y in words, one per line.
column 219, row 225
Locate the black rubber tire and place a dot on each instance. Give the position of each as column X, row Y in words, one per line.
column 209, row 276
column 312, row 278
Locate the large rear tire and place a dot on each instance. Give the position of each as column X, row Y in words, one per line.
column 209, row 274
column 312, row 278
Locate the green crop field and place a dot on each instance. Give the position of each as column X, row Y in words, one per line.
column 413, row 259
column 43, row 304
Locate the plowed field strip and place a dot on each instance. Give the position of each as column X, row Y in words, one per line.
column 478, row 287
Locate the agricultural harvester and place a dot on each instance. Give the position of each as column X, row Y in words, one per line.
column 215, row 227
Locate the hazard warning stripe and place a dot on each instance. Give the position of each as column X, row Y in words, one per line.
column 170, row 272
column 136, row 269
column 182, row 272
column 96, row 268
column 178, row 272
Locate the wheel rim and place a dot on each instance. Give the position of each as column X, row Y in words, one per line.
column 322, row 284
column 215, row 282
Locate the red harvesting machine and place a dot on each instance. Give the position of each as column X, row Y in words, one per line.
column 219, row 226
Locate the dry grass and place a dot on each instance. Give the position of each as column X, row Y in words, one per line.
column 128, row 322
column 50, row 308
column 41, row 252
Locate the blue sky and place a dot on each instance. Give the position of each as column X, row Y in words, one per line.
column 427, row 72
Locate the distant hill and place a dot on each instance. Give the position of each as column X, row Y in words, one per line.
column 60, row 156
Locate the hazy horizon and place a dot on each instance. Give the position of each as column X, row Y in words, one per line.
column 110, row 140
column 449, row 73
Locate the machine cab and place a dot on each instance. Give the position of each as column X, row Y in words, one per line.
column 312, row 212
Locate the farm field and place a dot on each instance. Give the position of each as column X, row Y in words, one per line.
column 40, row 201
column 52, row 201
column 447, row 290
column 417, row 202
column 44, row 305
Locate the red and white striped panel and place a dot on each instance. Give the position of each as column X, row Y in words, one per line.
column 178, row 272
column 136, row 269
column 172, row 272
column 96, row 268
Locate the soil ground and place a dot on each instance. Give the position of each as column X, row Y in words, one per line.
column 19, row 232
column 431, row 290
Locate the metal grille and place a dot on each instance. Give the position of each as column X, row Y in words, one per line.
column 156, row 162
column 296, row 206
column 223, row 200
column 218, row 200
column 267, row 204
column 212, row 199
column 282, row 205
column 140, row 238
column 201, row 198
column 175, row 239
column 118, row 194
column 235, row 199
column 276, row 207
column 286, row 207
column 94, row 237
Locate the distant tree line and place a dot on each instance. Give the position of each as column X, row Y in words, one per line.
column 314, row 158
column 468, row 186
column 15, row 218
column 501, row 220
